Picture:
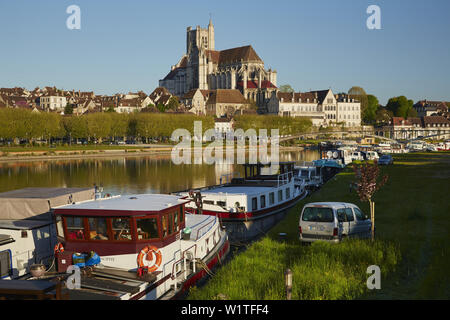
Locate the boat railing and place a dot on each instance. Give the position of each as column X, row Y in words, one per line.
column 304, row 164
column 228, row 177
column 284, row 178
column 199, row 229
column 183, row 258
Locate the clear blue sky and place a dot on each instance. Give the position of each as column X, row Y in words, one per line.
column 129, row 45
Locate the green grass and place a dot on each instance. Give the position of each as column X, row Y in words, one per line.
column 411, row 217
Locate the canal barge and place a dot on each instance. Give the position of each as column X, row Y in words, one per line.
column 126, row 247
column 148, row 246
column 248, row 206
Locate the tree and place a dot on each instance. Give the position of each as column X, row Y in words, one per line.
column 68, row 109
column 383, row 116
column 359, row 94
column 400, row 106
column 110, row 109
column 286, row 88
column 173, row 104
column 367, row 184
column 372, row 107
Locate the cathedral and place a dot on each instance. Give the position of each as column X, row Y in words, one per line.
column 204, row 68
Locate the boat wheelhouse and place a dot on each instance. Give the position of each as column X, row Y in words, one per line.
column 251, row 205
column 148, row 247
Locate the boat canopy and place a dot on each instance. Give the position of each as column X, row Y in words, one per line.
column 36, row 203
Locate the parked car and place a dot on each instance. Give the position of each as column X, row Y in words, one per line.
column 371, row 155
column 332, row 221
column 386, row 159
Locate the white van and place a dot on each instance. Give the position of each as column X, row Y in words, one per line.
column 332, row 221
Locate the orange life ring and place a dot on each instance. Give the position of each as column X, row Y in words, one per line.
column 59, row 248
column 146, row 254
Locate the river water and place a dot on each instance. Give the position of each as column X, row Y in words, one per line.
column 124, row 175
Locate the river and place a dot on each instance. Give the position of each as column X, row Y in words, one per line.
column 123, row 175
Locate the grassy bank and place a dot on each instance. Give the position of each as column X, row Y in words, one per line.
column 411, row 247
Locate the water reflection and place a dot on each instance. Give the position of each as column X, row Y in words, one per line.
column 123, row 175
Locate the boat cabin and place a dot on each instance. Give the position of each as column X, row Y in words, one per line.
column 120, row 225
column 260, row 191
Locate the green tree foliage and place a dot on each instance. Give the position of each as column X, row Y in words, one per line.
column 383, row 116
column 173, row 104
column 24, row 124
column 399, row 106
column 369, row 114
column 359, row 94
column 286, row 88
column 99, row 125
column 68, row 109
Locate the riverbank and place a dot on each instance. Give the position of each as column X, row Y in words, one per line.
column 411, row 246
column 82, row 152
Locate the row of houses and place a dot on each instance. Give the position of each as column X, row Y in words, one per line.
column 437, row 127
column 51, row 99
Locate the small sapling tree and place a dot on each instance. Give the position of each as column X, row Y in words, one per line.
column 367, row 183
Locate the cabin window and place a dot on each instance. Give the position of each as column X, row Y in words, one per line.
column 175, row 221
column 280, row 195
column 164, row 225
column 170, row 217
column 147, row 229
column 59, row 226
column 75, row 228
column 98, row 229
column 271, row 198
column 5, row 264
column 208, row 202
column 288, row 193
column 121, row 229
column 181, row 215
column 263, row 201
column 254, row 204
column 221, row 203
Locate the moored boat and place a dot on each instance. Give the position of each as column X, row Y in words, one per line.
column 148, row 247
column 249, row 206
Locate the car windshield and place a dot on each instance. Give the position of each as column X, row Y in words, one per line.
column 316, row 214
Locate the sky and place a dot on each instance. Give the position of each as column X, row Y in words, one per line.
column 126, row 46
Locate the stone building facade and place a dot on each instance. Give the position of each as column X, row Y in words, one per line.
column 322, row 107
column 204, row 68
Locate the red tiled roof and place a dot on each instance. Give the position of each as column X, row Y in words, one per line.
column 226, row 96
column 245, row 53
column 254, row 84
